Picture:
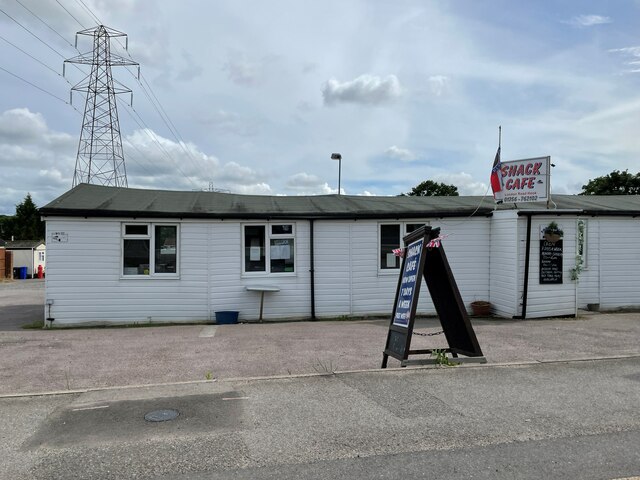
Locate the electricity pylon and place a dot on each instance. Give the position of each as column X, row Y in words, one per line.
column 100, row 157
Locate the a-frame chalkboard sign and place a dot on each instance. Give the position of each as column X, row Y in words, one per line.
column 424, row 257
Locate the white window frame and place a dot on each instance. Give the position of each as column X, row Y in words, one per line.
column 151, row 236
column 403, row 232
column 267, row 247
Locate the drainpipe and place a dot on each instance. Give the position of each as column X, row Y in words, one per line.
column 312, row 271
column 527, row 257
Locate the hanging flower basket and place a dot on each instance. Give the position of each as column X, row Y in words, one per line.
column 553, row 233
column 481, row 308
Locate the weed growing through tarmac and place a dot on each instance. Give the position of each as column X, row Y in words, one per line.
column 208, row 376
column 324, row 367
column 441, row 358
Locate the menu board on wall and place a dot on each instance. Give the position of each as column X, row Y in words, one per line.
column 550, row 262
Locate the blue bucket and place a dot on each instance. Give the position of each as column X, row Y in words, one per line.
column 226, row 317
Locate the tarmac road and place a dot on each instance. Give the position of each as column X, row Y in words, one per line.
column 573, row 420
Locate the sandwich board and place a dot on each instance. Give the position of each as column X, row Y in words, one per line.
column 424, row 257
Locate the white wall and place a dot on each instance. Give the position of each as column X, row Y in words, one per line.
column 589, row 279
column 544, row 300
column 619, row 262
column 84, row 277
column 228, row 283
column 23, row 258
column 349, row 282
column 504, row 263
column 486, row 257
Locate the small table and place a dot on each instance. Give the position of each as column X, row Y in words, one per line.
column 262, row 289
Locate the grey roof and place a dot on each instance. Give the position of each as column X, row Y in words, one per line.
column 23, row 244
column 99, row 201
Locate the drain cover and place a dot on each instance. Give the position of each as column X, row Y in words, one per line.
column 163, row 415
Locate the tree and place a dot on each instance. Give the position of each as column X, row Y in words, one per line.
column 615, row 183
column 26, row 223
column 429, row 188
column 6, row 226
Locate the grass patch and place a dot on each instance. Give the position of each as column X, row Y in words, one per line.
column 33, row 325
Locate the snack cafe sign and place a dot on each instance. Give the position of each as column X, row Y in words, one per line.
column 526, row 180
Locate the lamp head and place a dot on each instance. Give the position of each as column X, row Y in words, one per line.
column 336, row 156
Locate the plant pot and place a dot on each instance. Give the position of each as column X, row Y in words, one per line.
column 480, row 308
column 552, row 237
column 228, row 317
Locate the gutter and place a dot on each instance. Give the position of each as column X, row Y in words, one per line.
column 312, row 271
column 86, row 213
column 527, row 259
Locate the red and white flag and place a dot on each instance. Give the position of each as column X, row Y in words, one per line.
column 497, row 184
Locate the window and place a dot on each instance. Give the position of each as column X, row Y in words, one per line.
column 581, row 241
column 41, row 256
column 390, row 238
column 150, row 250
column 280, row 254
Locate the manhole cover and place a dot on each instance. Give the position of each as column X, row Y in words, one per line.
column 163, row 415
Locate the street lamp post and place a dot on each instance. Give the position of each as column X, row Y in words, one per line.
column 337, row 156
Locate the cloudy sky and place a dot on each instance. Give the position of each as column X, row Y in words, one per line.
column 253, row 96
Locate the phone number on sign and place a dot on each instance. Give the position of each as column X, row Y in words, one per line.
column 522, row 198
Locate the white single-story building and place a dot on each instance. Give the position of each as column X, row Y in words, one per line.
column 120, row 255
column 28, row 253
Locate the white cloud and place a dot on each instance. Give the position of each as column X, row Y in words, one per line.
column 255, row 189
column 438, row 85
column 33, row 158
column 303, row 180
column 245, row 72
column 366, row 90
column 307, row 184
column 589, row 20
column 230, row 122
column 467, row 184
column 400, row 153
column 20, row 124
column 631, row 53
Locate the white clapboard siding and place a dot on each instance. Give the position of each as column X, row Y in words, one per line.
column 468, row 251
column 349, row 282
column 548, row 300
column 84, row 277
column 228, row 283
column 503, row 269
column 589, row 280
column 332, row 259
column 619, row 262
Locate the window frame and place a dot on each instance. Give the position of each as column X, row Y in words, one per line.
column 151, row 237
column 403, row 232
column 268, row 236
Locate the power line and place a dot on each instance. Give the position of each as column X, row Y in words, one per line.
column 33, row 34
column 80, row 2
column 151, row 134
column 40, row 88
column 71, row 15
column 46, row 24
column 30, row 56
